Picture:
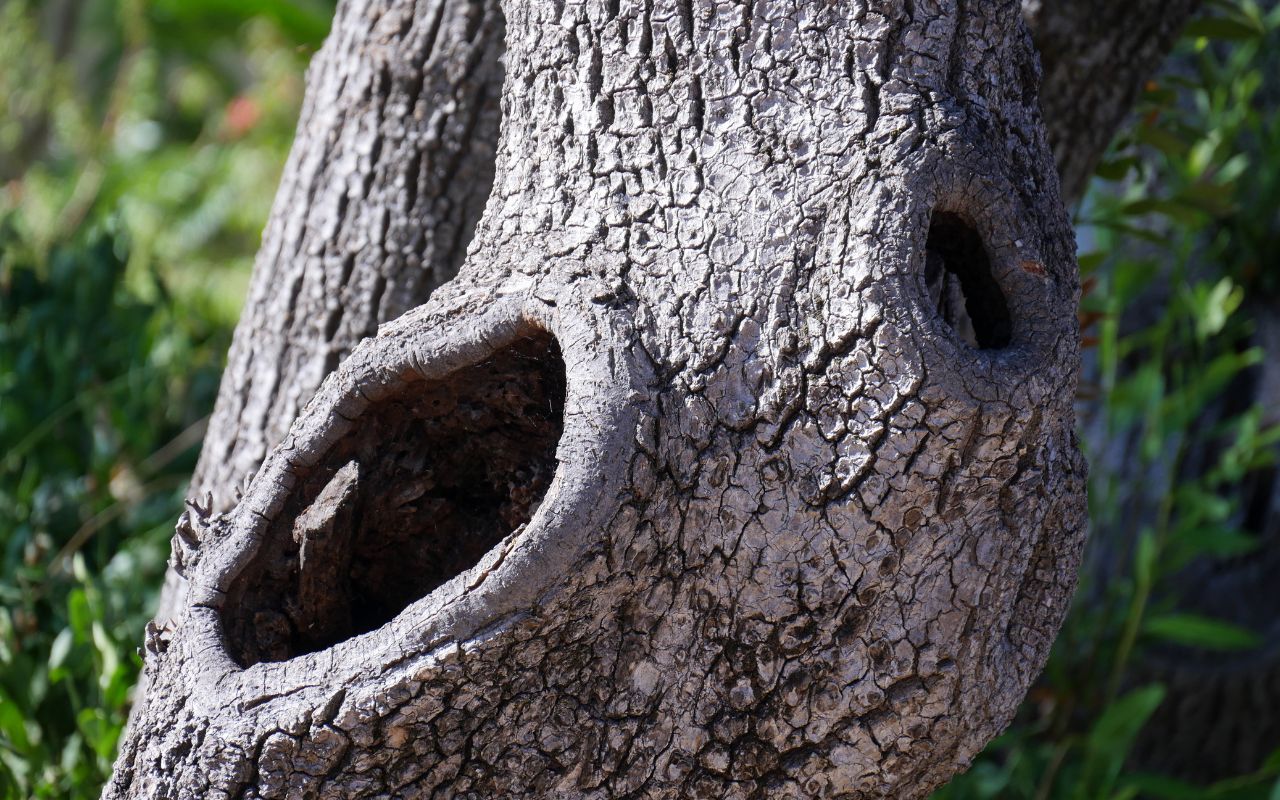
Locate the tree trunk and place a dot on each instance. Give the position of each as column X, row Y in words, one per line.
column 390, row 170
column 738, row 461
column 1097, row 56
column 400, row 130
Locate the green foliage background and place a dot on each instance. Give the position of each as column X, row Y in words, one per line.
column 141, row 142
column 140, row 148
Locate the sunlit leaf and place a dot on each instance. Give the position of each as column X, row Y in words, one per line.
column 1193, row 630
column 58, row 652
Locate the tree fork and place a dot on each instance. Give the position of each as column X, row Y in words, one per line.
column 737, row 461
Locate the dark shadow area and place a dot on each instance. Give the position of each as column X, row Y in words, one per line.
column 427, row 483
column 961, row 286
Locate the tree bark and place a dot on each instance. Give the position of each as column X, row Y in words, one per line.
column 390, row 171
column 738, row 461
column 400, row 130
column 1096, row 56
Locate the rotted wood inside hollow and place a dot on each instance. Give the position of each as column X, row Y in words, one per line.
column 426, row 484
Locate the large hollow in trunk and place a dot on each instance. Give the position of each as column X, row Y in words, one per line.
column 431, row 480
column 801, row 537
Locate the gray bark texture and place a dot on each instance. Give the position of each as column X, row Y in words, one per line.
column 394, row 159
column 737, row 461
column 1096, row 56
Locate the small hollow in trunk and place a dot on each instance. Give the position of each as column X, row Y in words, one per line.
column 427, row 483
column 961, row 285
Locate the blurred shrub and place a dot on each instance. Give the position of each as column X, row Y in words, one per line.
column 104, row 395
column 173, row 116
column 140, row 146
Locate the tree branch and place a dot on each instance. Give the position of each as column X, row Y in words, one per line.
column 1096, row 55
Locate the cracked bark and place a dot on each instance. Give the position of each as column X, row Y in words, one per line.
column 698, row 480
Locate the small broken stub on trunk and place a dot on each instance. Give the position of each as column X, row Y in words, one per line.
column 426, row 483
column 961, row 285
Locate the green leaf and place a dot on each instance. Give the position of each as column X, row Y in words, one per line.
column 1196, row 504
column 1193, row 630
column 17, row 766
column 6, row 636
column 1163, row 140
column 1118, row 726
column 58, row 653
column 110, row 658
column 13, row 724
column 98, row 731
column 1162, row 787
column 1216, row 198
column 1089, row 262
column 80, row 615
column 1111, row 738
column 1213, row 540
column 1216, row 304
column 1115, row 169
column 1228, row 28
column 1232, row 168
column 1272, row 763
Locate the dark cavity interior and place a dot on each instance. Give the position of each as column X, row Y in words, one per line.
column 427, row 483
column 961, row 286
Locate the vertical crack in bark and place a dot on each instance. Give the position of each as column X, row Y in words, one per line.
column 429, row 481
